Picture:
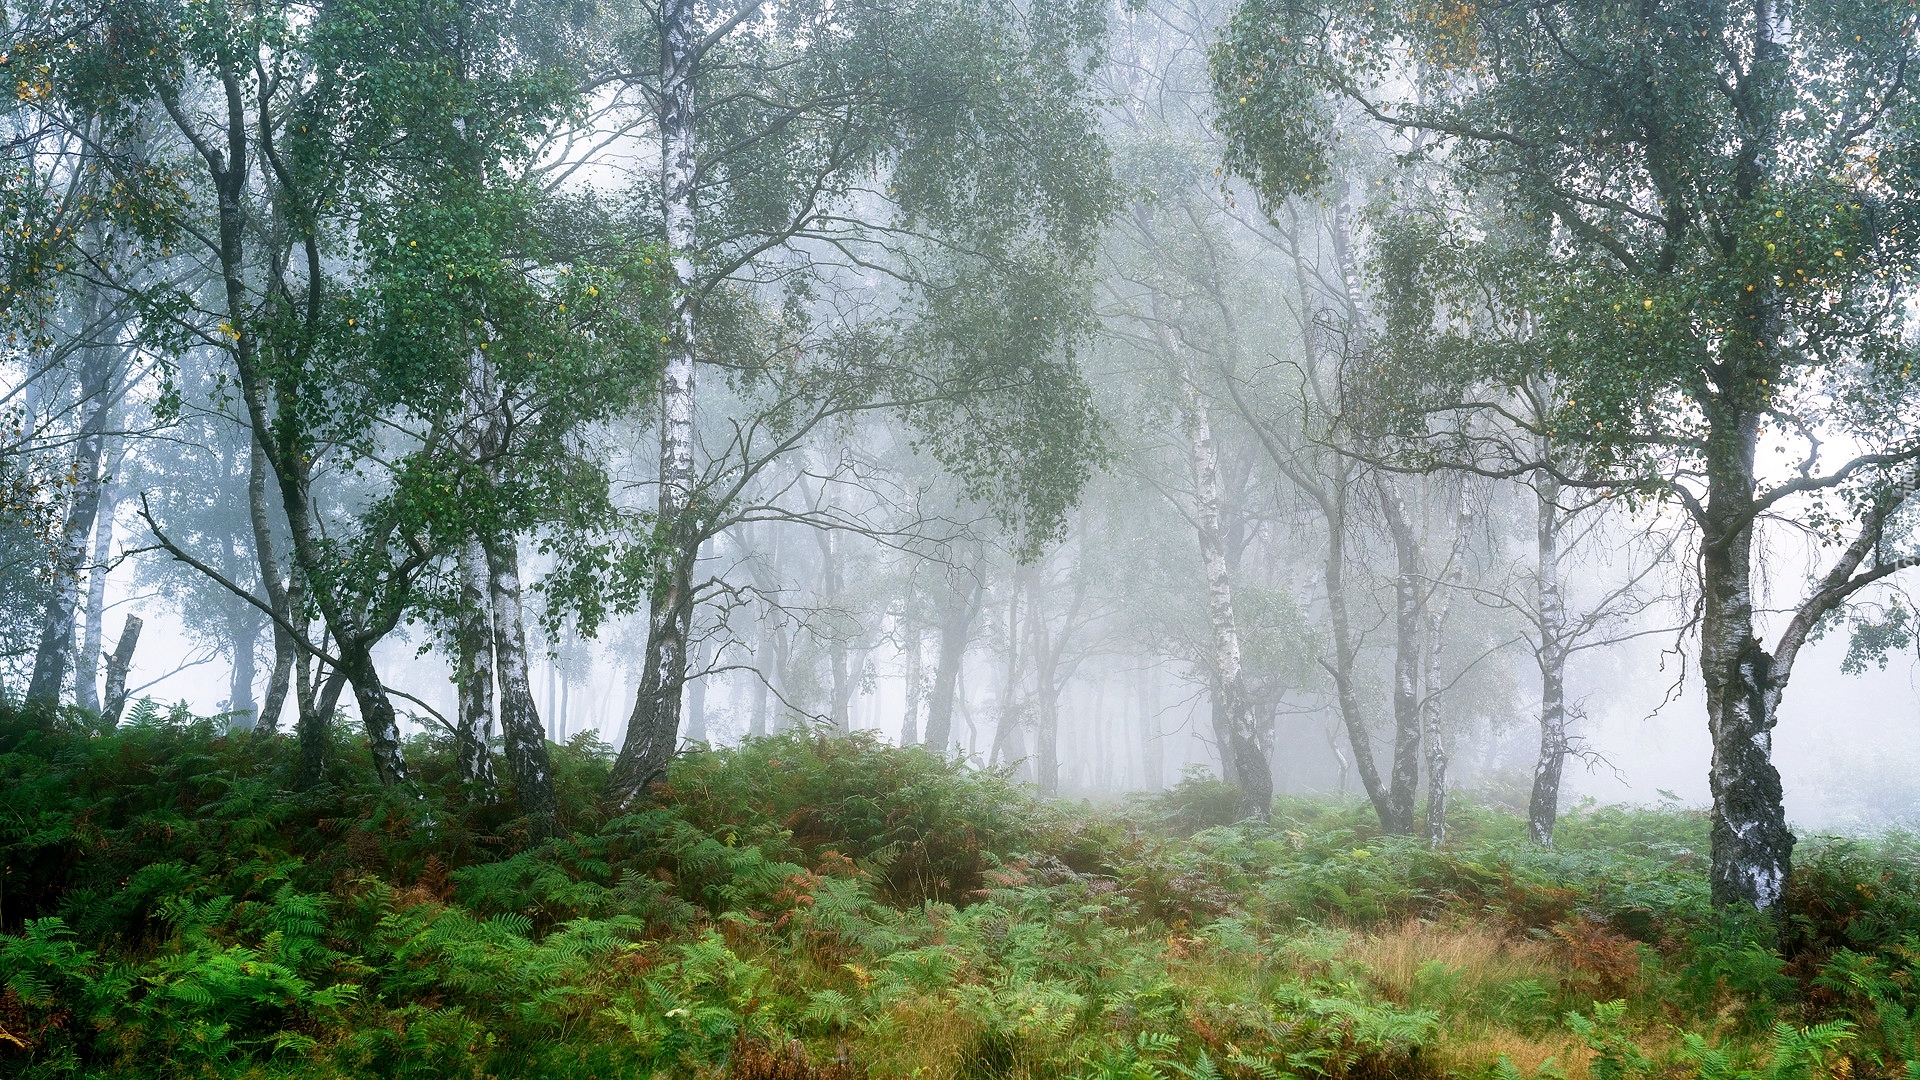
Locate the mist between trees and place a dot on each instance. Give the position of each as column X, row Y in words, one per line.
column 1328, row 396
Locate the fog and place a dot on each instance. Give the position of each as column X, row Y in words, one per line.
column 1845, row 746
column 1090, row 618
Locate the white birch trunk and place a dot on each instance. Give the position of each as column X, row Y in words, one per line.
column 1431, row 675
column 1235, row 722
column 473, row 727
column 1405, row 780
column 654, row 725
column 1543, row 808
column 86, row 666
column 525, row 742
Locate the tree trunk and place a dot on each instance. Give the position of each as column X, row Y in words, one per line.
column 910, row 723
column 525, row 743
column 1431, row 674
column 655, row 723
column 1152, row 750
column 376, row 713
column 553, row 703
column 1222, row 738
column 117, row 666
column 653, row 728
column 1009, row 742
column 955, row 627
column 764, row 655
column 783, row 717
column 696, row 734
column 1752, row 847
column 1046, row 713
column 473, row 670
column 286, row 651
column 86, row 666
column 768, row 655
column 353, row 635
column 1406, row 660
column 842, row 690
column 244, row 629
column 1233, row 717
column 1543, row 809
column 1046, row 740
column 315, row 725
column 1329, row 492
column 50, row 661
column 840, row 693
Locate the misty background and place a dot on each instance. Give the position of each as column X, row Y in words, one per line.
column 865, row 576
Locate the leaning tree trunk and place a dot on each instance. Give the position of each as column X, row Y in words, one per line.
column 314, row 728
column 86, row 666
column 1435, row 742
column 473, row 676
column 525, row 740
column 51, row 660
column 1345, row 654
column 1406, row 660
column 117, row 667
column 956, row 625
column 654, row 724
column 1543, row 809
column 376, row 712
column 1329, row 491
column 286, row 650
column 1232, row 713
column 653, row 728
column 290, row 456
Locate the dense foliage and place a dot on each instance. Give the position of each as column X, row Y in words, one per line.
column 830, row 906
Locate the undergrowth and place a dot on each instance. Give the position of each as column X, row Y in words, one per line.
column 807, row 907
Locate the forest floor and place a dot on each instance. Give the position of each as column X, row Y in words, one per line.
column 836, row 908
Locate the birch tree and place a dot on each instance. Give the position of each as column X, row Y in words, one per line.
column 1722, row 189
column 943, row 148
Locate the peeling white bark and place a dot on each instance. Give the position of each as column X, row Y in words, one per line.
column 86, row 666
column 57, row 624
column 1407, row 603
column 525, row 741
column 1543, row 807
column 1432, row 674
column 654, row 725
column 473, row 727
column 1236, row 720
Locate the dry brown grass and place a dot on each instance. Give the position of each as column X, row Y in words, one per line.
column 1482, row 956
column 1469, row 1052
column 759, row 1061
column 1483, row 961
column 925, row 1040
